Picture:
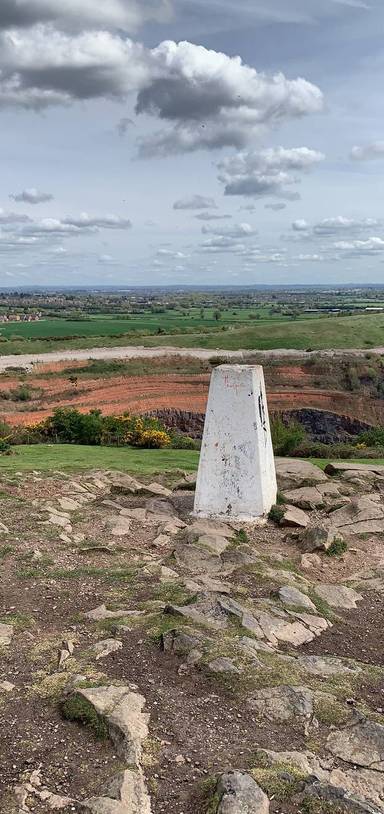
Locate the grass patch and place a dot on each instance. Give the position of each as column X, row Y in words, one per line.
column 73, row 457
column 322, row 607
column 6, row 551
column 174, row 593
column 20, row 621
column 280, row 781
column 330, row 712
column 211, row 797
column 77, row 708
column 112, row 575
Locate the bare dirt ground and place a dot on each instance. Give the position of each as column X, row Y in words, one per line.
column 289, row 386
column 132, row 352
column 71, row 544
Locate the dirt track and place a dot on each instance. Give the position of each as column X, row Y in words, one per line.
column 133, row 352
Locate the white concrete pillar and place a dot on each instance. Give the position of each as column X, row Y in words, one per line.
column 236, row 478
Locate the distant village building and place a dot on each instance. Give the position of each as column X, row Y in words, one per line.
column 20, row 317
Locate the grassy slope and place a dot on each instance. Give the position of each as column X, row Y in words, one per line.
column 328, row 332
column 72, row 457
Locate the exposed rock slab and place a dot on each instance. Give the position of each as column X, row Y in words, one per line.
column 106, row 647
column 122, row 710
column 201, row 527
column 292, row 597
column 363, row 515
column 100, row 613
column 283, row 703
column 307, row 497
column 338, row 596
column 327, row 666
column 197, row 560
column 126, row 794
column 293, row 473
column 361, row 744
column 334, row 467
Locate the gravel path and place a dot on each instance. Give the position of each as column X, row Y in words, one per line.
column 132, row 352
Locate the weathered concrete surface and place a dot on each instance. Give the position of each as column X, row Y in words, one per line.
column 236, row 477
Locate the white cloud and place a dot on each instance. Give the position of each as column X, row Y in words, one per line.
column 211, row 216
column 368, row 152
column 300, row 225
column 340, row 224
column 31, row 196
column 210, row 100
column 214, row 100
column 266, row 172
column 235, row 231
column 101, row 222
column 312, row 258
column 174, row 255
column 372, row 246
column 125, row 14
column 276, row 207
column 195, row 202
column 106, row 260
column 221, row 244
column 12, row 217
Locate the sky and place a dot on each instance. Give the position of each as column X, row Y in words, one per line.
column 186, row 142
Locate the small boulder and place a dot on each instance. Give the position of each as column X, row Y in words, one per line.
column 6, row 633
column 292, row 597
column 292, row 516
column 223, row 665
column 106, row 647
column 318, row 538
column 310, row 561
column 239, row 794
column 307, row 497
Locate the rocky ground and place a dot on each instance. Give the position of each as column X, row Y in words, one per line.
column 153, row 663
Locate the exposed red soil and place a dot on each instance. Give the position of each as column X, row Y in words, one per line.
column 289, row 388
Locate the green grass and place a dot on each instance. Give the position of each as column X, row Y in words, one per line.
column 45, row 457
column 73, row 457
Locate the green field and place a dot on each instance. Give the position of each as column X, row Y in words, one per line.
column 363, row 331
column 68, row 457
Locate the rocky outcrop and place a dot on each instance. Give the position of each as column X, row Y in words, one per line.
column 320, row 425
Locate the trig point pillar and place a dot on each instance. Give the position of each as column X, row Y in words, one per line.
column 236, row 478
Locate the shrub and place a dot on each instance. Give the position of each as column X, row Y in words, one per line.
column 276, row 514
column 286, row 438
column 69, row 426
column 216, row 361
column 373, row 437
column 183, row 442
column 5, row 447
column 21, row 393
column 337, row 548
column 154, row 439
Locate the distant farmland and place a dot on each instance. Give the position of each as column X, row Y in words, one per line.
column 235, row 329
